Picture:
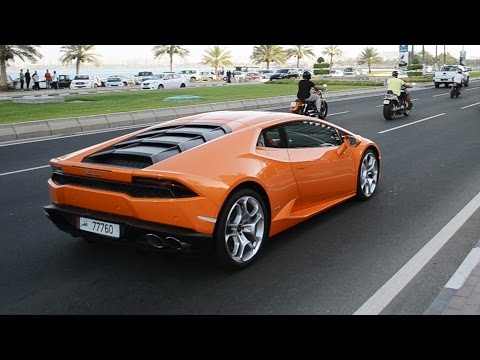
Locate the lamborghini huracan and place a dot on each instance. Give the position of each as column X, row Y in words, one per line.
column 226, row 181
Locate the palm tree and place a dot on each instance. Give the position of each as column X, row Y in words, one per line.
column 217, row 57
column 79, row 54
column 332, row 50
column 9, row 52
column 369, row 56
column 300, row 52
column 160, row 50
column 268, row 54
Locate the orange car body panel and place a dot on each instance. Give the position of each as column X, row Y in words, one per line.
column 214, row 169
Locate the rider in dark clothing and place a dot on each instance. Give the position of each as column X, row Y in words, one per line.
column 305, row 87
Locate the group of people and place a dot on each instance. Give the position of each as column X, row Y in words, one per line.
column 51, row 80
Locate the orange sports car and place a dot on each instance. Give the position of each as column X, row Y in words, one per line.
column 226, row 180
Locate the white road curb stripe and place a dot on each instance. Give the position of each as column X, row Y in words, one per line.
column 458, row 279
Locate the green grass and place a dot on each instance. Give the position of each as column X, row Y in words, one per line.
column 81, row 105
column 474, row 73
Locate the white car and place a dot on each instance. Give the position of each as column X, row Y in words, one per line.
column 207, row 75
column 85, row 81
column 191, row 74
column 165, row 81
column 266, row 73
column 118, row 80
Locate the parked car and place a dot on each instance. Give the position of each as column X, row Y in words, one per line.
column 191, row 74
column 253, row 76
column 142, row 76
column 271, row 171
column 118, row 80
column 334, row 73
column 266, row 73
column 207, row 75
column 64, row 81
column 285, row 73
column 85, row 81
column 165, row 81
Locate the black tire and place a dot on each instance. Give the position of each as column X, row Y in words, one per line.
column 466, row 82
column 322, row 113
column 244, row 206
column 437, row 85
column 388, row 111
column 452, row 93
column 182, row 85
column 160, row 86
column 368, row 175
column 446, row 85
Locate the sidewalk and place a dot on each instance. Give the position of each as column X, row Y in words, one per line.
column 461, row 294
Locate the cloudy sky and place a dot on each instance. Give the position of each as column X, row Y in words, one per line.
column 142, row 54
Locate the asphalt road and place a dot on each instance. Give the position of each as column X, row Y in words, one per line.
column 330, row 264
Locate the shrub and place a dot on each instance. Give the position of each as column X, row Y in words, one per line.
column 414, row 67
column 414, row 73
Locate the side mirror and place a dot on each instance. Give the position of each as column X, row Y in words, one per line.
column 352, row 141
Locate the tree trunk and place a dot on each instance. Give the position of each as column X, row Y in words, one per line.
column 298, row 62
column 78, row 66
column 436, row 56
column 171, row 62
column 444, row 55
column 268, row 64
column 3, row 75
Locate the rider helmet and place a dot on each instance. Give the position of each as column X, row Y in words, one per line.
column 395, row 73
column 306, row 75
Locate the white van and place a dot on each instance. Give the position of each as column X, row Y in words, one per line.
column 191, row 74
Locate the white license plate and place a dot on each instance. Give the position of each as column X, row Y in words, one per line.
column 99, row 227
column 293, row 103
column 386, row 102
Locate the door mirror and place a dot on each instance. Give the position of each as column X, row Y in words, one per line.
column 353, row 141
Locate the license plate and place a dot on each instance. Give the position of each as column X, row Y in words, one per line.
column 386, row 102
column 293, row 103
column 99, row 227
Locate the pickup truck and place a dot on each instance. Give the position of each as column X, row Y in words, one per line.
column 446, row 73
column 64, row 81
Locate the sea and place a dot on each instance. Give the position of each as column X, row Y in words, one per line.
column 103, row 72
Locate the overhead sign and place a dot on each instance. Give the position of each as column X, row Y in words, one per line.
column 403, row 56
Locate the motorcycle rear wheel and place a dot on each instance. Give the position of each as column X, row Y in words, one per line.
column 388, row 112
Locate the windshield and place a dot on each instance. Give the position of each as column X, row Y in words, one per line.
column 114, row 79
column 81, row 77
column 157, row 77
column 282, row 71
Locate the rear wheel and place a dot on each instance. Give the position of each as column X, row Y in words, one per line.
column 388, row 111
column 242, row 228
column 182, row 85
column 367, row 175
column 466, row 82
column 437, row 85
column 322, row 113
column 160, row 86
column 452, row 93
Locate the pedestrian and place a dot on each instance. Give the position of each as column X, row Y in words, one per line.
column 27, row 79
column 36, row 81
column 55, row 80
column 22, row 78
column 229, row 76
column 48, row 79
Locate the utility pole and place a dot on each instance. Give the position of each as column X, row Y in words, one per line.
column 444, row 56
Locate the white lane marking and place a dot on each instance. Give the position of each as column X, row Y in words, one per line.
column 414, row 122
column 441, row 94
column 471, row 88
column 20, row 171
column 464, row 107
column 382, row 105
column 338, row 113
column 458, row 279
column 383, row 296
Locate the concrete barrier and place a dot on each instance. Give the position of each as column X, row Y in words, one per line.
column 184, row 111
column 31, row 129
column 95, row 122
column 7, row 133
column 165, row 114
column 65, row 126
column 143, row 116
column 119, row 119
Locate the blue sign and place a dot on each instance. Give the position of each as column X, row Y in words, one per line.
column 403, row 48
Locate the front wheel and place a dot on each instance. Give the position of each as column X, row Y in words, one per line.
column 242, row 228
column 160, row 86
column 452, row 93
column 367, row 175
column 322, row 113
column 388, row 111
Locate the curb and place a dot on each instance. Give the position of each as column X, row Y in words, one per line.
column 73, row 125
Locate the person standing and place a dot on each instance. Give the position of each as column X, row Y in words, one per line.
column 22, row 78
column 48, row 79
column 27, row 79
column 229, row 76
column 55, row 80
column 36, row 81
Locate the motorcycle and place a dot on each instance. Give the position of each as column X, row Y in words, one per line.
column 455, row 90
column 394, row 105
column 309, row 108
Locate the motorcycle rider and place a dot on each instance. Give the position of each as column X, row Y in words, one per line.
column 459, row 79
column 305, row 87
column 395, row 85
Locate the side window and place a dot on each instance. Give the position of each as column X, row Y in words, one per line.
column 270, row 138
column 304, row 134
column 168, row 77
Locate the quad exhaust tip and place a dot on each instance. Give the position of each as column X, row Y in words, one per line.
column 161, row 243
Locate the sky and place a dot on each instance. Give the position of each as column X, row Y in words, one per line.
column 142, row 54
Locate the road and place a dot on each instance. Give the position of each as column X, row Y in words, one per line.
column 330, row 264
